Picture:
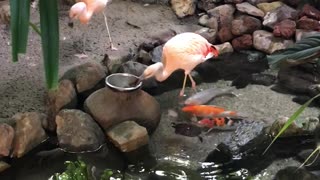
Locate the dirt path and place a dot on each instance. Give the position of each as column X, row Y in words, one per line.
column 22, row 84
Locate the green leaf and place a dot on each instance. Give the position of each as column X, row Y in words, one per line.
column 19, row 24
column 306, row 47
column 291, row 119
column 35, row 28
column 49, row 25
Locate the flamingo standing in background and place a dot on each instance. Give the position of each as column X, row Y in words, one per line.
column 84, row 10
column 183, row 51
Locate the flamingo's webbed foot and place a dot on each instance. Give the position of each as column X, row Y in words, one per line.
column 113, row 48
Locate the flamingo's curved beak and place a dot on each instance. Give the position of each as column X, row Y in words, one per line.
column 215, row 51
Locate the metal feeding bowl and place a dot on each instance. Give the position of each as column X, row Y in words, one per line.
column 123, row 82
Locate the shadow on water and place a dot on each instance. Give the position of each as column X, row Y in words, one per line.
column 230, row 66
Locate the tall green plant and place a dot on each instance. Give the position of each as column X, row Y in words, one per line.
column 49, row 31
column 293, row 117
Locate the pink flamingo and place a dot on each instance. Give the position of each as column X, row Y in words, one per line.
column 183, row 51
column 84, row 10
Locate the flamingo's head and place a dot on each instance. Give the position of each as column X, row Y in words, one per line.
column 152, row 70
column 78, row 10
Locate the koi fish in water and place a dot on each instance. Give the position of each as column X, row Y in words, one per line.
column 210, row 111
column 207, row 95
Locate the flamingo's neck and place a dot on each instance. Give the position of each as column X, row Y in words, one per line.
column 161, row 74
column 85, row 16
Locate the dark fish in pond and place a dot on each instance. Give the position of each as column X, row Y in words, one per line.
column 187, row 129
column 207, row 95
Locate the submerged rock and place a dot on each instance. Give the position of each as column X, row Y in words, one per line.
column 301, row 79
column 295, row 173
column 110, row 107
column 4, row 166
column 244, row 147
column 6, row 137
column 128, row 136
column 78, row 132
column 301, row 126
column 29, row 132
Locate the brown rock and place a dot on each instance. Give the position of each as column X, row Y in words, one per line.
column 279, row 14
column 29, row 132
column 223, row 14
column 310, row 11
column 285, row 28
column 78, row 132
column 162, row 37
column 225, row 34
column 63, row 97
column 4, row 166
column 245, row 24
column 233, row 1
column 209, row 34
column 110, row 107
column 206, row 5
column 243, row 42
column 308, row 24
column 85, row 76
column 183, row 8
column 6, row 139
column 128, row 136
column 4, row 12
column 213, row 23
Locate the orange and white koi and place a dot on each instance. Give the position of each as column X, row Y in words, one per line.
column 209, row 111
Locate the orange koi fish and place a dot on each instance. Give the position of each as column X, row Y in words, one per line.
column 210, row 123
column 208, row 111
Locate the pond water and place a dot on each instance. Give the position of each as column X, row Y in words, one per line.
column 171, row 155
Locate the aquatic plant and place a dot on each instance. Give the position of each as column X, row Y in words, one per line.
column 49, row 32
column 303, row 51
column 293, row 117
column 77, row 170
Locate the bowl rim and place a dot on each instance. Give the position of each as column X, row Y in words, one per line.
column 122, row 88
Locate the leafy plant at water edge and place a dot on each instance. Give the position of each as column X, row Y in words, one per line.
column 49, row 28
column 77, row 170
column 305, row 50
column 294, row 116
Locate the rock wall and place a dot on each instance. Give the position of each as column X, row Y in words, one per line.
column 263, row 25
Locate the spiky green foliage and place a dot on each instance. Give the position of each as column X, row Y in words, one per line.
column 300, row 51
column 50, row 40
column 19, row 22
column 294, row 116
column 49, row 32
